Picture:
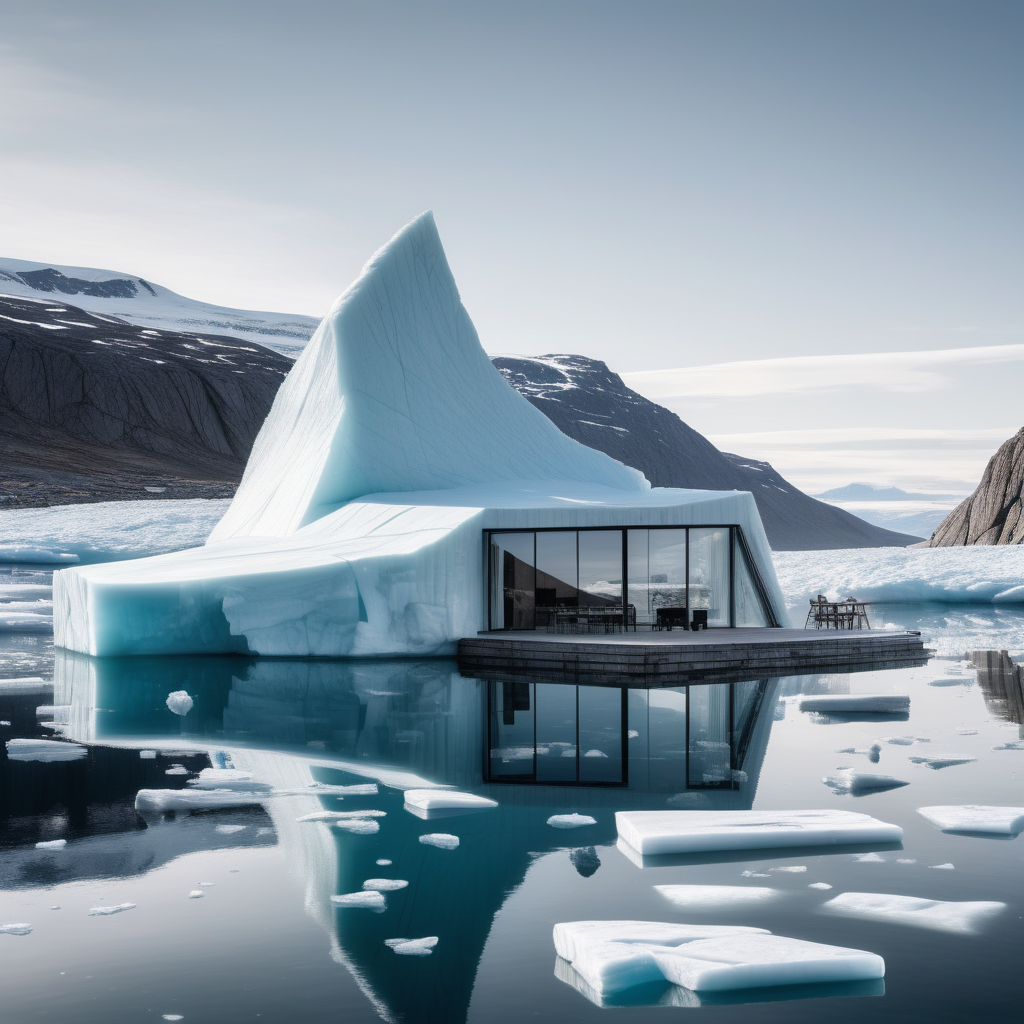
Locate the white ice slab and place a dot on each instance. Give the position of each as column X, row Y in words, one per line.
column 965, row 918
column 942, row 760
column 385, row 884
column 118, row 908
column 155, row 801
column 717, row 897
column 358, row 826
column 413, row 947
column 179, row 702
column 571, row 820
column 370, row 899
column 998, row 821
column 442, row 840
column 445, row 799
column 44, row 750
column 15, row 929
column 53, row 844
column 616, row 955
column 858, row 703
column 661, row 832
column 846, row 780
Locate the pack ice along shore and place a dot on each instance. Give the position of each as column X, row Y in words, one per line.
column 400, row 495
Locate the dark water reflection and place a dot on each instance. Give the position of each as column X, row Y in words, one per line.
column 267, row 941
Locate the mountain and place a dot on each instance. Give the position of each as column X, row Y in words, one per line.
column 591, row 404
column 867, row 492
column 151, row 305
column 993, row 514
column 94, row 408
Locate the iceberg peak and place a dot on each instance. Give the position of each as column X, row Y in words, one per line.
column 395, row 393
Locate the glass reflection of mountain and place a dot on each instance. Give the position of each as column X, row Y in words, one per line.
column 537, row 748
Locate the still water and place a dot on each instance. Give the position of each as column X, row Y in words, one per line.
column 264, row 941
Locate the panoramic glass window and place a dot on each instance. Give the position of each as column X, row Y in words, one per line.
column 748, row 607
column 600, row 577
column 667, row 589
column 709, row 575
column 512, row 581
column 557, row 591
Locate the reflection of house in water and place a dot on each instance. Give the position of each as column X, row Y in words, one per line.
column 1002, row 684
column 537, row 748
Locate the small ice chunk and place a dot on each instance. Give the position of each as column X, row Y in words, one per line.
column 942, row 867
column 994, row 820
column 612, row 956
column 171, row 1016
column 44, row 750
column 370, row 899
column 862, row 703
column 442, row 840
column 632, row 735
column 445, row 799
column 179, row 702
column 107, row 911
column 791, row 869
column 846, row 780
column 595, row 753
column 571, row 820
column 230, row 830
column 716, row 897
column 906, row 860
column 53, row 844
column 659, row 832
column 898, row 741
column 177, row 769
column 358, row 826
column 56, row 906
column 857, row 750
column 819, row 885
column 147, row 755
column 196, row 894
column 383, row 862
column 965, row 918
column 15, row 929
column 385, row 884
column 341, row 815
column 868, row 858
column 3, row 721
column 413, row 947
column 754, row 874
column 942, row 761
column 155, row 801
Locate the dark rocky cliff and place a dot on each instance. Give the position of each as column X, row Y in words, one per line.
column 92, row 407
column 591, row 404
column 993, row 514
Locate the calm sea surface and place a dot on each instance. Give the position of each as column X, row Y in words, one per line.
column 264, row 942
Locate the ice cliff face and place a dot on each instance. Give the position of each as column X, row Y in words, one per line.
column 994, row 513
column 394, row 393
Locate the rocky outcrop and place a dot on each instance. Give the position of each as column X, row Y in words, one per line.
column 92, row 407
column 993, row 514
column 591, row 404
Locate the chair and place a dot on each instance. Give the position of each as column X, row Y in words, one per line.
column 700, row 619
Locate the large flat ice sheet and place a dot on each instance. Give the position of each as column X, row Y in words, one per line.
column 615, row 955
column 651, row 833
column 963, row 917
column 984, row 818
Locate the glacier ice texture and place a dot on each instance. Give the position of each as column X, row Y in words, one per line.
column 357, row 528
column 651, row 833
column 615, row 955
column 982, row 818
column 963, row 917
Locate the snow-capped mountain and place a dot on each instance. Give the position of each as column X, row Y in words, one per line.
column 147, row 304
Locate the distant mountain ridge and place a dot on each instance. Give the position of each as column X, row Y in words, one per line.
column 147, row 304
column 866, row 492
column 591, row 404
column 994, row 513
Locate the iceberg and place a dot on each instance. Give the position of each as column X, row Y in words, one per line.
column 858, row 703
column 964, row 918
column 356, row 531
column 846, row 780
column 612, row 956
column 44, row 750
column 716, row 897
column 996, row 821
column 179, row 702
column 445, row 799
column 650, row 833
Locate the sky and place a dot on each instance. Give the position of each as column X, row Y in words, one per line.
column 658, row 185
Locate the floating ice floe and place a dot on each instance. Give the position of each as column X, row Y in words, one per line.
column 942, row 761
column 819, row 885
column 172, row 1016
column 898, row 741
column 442, row 840
column 382, row 862
column 3, row 722
column 994, row 820
column 413, row 947
column 230, row 830
column 52, row 844
column 938, row 915
column 943, row 867
column 358, row 826
column 107, row 911
column 15, row 929
column 789, row 869
column 196, row 894
column 906, row 860
column 868, row 858
column 1011, row 745
column 716, row 897
column 846, row 780
column 370, row 899
column 663, row 832
column 858, row 703
column 147, row 755
column 341, row 815
column 177, row 769
column 612, row 956
column 156, row 801
column 445, row 799
column 385, row 884
column 44, row 750
column 179, row 702
column 571, row 820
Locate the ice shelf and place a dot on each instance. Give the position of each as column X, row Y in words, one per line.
column 997, row 821
column 356, row 530
column 650, row 833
